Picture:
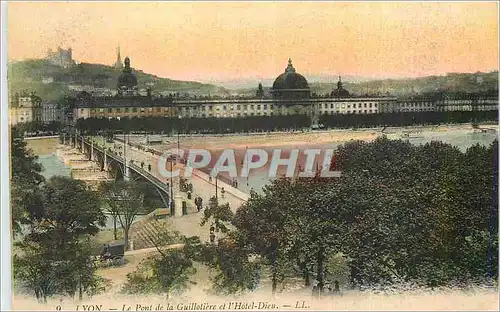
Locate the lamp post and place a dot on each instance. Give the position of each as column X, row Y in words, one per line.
column 171, row 188
column 246, row 159
column 178, row 134
column 125, row 164
column 170, row 160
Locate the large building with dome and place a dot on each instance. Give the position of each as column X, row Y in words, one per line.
column 290, row 85
column 290, row 94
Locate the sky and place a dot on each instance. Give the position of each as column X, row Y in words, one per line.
column 245, row 40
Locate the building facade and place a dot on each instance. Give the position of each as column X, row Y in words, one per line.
column 289, row 95
column 25, row 107
column 49, row 112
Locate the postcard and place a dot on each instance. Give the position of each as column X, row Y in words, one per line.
column 253, row 156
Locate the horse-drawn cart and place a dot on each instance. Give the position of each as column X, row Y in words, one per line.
column 112, row 254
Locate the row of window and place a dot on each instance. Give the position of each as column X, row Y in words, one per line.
column 416, row 109
column 359, row 105
column 127, row 109
column 366, row 111
column 237, row 107
column 238, row 114
column 419, row 104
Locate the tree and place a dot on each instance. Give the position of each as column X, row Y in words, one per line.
column 229, row 256
column 318, row 224
column 161, row 275
column 221, row 215
column 235, row 271
column 125, row 199
column 168, row 271
column 66, row 213
column 25, row 179
column 261, row 223
column 34, row 269
column 439, row 194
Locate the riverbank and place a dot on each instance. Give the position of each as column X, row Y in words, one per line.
column 43, row 145
column 299, row 138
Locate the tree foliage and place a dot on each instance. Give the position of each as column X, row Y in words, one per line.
column 166, row 274
column 401, row 119
column 221, row 215
column 205, row 125
column 25, row 179
column 398, row 213
column 170, row 270
column 232, row 270
column 213, row 125
column 54, row 255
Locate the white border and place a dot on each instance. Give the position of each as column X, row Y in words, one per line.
column 5, row 223
column 5, row 227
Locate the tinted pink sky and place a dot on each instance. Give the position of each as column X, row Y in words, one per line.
column 224, row 40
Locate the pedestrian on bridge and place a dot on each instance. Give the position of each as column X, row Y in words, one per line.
column 222, row 192
column 142, row 165
column 149, row 167
column 198, row 202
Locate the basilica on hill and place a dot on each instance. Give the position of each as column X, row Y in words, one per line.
column 290, row 94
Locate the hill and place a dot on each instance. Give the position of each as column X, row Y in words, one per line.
column 52, row 82
column 453, row 82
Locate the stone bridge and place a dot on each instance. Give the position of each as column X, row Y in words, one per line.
column 127, row 162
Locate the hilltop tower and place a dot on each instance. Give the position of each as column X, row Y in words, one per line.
column 61, row 57
column 118, row 64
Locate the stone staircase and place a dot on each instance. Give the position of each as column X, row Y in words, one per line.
column 145, row 232
column 149, row 229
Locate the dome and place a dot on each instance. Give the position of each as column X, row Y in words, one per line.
column 340, row 91
column 290, row 79
column 127, row 79
column 290, row 84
